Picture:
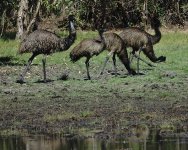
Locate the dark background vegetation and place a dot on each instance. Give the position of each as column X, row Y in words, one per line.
column 115, row 13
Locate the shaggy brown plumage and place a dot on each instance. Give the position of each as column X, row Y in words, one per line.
column 140, row 40
column 90, row 47
column 45, row 42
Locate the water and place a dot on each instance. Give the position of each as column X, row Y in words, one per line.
column 139, row 140
column 44, row 143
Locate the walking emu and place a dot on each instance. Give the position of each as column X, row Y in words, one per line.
column 90, row 47
column 45, row 42
column 140, row 40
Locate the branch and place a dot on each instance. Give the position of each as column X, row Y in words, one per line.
column 34, row 17
column 22, row 14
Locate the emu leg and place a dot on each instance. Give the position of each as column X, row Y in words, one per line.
column 44, row 67
column 21, row 78
column 124, row 59
column 138, row 61
column 87, row 68
column 131, row 55
column 114, row 64
column 148, row 51
column 144, row 61
column 134, row 50
column 107, row 58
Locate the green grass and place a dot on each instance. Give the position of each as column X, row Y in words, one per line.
column 172, row 45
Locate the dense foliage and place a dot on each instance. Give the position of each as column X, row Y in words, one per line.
column 114, row 13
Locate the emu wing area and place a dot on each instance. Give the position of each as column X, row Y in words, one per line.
column 40, row 42
column 88, row 47
column 134, row 37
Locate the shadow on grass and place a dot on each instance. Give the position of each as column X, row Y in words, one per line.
column 10, row 60
column 42, row 81
column 9, row 36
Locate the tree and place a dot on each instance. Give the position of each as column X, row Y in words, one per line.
column 7, row 9
column 22, row 18
column 26, row 21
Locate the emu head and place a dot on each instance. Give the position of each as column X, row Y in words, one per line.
column 155, row 22
column 71, row 18
column 161, row 59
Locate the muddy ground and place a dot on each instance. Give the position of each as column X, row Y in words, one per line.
column 105, row 107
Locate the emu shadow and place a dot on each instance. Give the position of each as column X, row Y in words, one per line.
column 112, row 72
column 9, row 36
column 140, row 73
column 9, row 60
column 38, row 81
column 42, row 81
column 126, row 75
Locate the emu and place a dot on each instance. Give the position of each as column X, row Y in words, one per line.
column 140, row 40
column 45, row 42
column 90, row 47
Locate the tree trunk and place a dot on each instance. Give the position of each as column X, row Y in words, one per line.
column 145, row 13
column 22, row 14
column 3, row 22
column 178, row 7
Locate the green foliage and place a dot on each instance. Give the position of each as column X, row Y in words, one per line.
column 92, row 13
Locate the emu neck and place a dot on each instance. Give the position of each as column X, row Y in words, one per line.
column 102, row 39
column 72, row 29
column 72, row 33
column 156, row 38
column 68, row 41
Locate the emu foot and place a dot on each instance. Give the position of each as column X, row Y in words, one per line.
column 112, row 72
column 132, row 72
column 86, row 78
column 21, row 81
column 140, row 73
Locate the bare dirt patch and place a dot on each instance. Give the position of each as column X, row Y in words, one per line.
column 108, row 106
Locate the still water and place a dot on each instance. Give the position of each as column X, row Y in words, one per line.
column 59, row 143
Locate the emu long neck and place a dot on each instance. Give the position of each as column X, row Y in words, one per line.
column 68, row 41
column 102, row 39
column 72, row 29
column 72, row 33
column 157, row 37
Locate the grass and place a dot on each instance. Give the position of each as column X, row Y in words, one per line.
column 157, row 97
column 172, row 45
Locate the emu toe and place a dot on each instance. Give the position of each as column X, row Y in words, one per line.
column 20, row 81
column 87, row 78
column 132, row 72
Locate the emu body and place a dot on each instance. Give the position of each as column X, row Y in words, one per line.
column 140, row 40
column 45, row 42
column 90, row 47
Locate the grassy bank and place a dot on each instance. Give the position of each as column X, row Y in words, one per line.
column 108, row 105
